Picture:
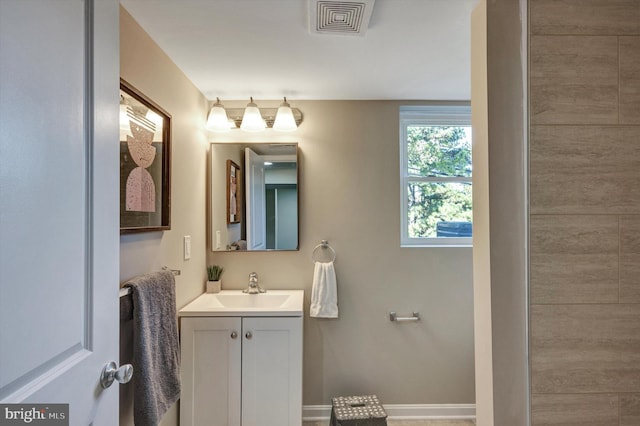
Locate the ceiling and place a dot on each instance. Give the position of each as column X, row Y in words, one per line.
column 233, row 49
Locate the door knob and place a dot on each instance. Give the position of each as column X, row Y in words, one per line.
column 111, row 372
column 234, row 335
column 248, row 335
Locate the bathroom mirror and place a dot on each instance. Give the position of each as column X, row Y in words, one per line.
column 253, row 196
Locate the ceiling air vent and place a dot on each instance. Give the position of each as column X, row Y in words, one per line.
column 346, row 17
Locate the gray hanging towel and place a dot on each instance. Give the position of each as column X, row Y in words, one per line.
column 156, row 350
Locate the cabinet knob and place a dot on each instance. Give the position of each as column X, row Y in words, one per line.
column 248, row 335
column 234, row 335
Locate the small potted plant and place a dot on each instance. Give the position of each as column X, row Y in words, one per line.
column 214, row 274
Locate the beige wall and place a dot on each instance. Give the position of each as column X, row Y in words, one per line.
column 481, row 219
column 217, row 204
column 506, row 88
column 500, row 212
column 585, row 211
column 349, row 195
column 147, row 68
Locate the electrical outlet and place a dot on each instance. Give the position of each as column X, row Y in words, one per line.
column 187, row 247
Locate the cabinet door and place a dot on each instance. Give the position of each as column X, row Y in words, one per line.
column 272, row 371
column 211, row 371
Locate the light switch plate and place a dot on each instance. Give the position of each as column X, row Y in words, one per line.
column 187, row 247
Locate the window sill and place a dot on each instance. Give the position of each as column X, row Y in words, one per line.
column 436, row 245
column 459, row 242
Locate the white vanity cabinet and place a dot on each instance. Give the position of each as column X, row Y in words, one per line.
column 210, row 371
column 241, row 371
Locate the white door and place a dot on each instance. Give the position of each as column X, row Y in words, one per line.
column 256, row 201
column 272, row 371
column 286, row 218
column 59, row 215
column 210, row 371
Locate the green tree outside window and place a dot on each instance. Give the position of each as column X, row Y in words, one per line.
column 439, row 177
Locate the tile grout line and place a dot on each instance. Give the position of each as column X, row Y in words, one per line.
column 619, row 79
column 619, row 410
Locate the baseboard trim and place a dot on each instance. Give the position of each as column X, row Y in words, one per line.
column 403, row 412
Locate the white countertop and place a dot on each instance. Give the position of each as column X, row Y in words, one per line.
column 227, row 303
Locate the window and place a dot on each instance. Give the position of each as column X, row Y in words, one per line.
column 435, row 168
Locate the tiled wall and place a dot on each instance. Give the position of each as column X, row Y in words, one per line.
column 585, row 212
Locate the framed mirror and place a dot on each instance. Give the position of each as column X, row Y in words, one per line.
column 253, row 196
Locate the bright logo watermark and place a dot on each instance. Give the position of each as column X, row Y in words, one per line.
column 36, row 414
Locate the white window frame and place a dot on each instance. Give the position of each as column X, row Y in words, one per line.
column 428, row 115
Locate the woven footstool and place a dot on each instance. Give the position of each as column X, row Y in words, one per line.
column 357, row 411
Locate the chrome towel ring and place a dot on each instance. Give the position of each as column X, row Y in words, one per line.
column 324, row 245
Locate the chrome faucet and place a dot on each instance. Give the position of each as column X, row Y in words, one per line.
column 254, row 287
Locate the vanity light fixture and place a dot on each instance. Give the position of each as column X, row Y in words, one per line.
column 252, row 120
column 284, row 121
column 218, row 120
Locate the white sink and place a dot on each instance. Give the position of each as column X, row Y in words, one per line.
column 265, row 300
column 236, row 303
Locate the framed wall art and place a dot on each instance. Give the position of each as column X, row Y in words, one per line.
column 145, row 159
column 234, row 199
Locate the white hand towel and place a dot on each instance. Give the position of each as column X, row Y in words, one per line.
column 324, row 293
